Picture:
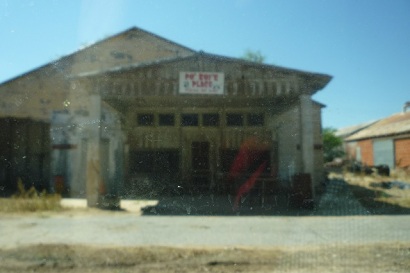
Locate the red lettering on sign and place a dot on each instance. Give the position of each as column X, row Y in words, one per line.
column 201, row 84
column 189, row 76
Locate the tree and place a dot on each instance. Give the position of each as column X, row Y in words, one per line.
column 332, row 145
column 253, row 56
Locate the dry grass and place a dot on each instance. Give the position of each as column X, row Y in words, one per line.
column 394, row 195
column 30, row 201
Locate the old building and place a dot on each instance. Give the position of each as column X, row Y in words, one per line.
column 384, row 142
column 136, row 113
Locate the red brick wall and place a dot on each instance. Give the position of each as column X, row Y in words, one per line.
column 402, row 148
column 366, row 149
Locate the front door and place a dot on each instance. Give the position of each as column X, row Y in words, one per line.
column 200, row 167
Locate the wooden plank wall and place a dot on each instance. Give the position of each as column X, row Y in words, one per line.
column 24, row 153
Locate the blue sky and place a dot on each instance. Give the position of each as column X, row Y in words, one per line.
column 363, row 44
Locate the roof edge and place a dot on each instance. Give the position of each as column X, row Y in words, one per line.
column 70, row 55
column 327, row 78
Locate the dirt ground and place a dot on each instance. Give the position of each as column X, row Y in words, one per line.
column 78, row 258
column 343, row 256
column 393, row 190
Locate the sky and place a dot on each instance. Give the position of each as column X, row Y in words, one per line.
column 363, row 44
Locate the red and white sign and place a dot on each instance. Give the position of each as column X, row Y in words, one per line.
column 209, row 83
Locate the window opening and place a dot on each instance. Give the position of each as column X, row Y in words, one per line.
column 189, row 120
column 210, row 119
column 256, row 120
column 234, row 120
column 166, row 120
column 145, row 119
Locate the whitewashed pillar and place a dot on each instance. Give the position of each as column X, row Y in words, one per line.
column 307, row 134
column 94, row 178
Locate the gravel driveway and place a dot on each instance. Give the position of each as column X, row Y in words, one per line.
column 129, row 228
column 91, row 240
column 126, row 229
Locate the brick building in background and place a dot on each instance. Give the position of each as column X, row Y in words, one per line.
column 386, row 141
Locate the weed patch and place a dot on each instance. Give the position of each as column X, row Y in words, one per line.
column 30, row 201
column 381, row 191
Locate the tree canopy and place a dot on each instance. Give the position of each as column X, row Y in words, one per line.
column 332, row 145
column 253, row 56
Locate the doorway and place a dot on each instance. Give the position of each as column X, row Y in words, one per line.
column 200, row 167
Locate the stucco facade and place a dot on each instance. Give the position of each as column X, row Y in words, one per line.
column 120, row 124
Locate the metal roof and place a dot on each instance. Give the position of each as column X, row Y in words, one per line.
column 348, row 131
column 396, row 124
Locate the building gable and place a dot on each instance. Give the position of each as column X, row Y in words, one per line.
column 242, row 79
column 132, row 47
column 34, row 93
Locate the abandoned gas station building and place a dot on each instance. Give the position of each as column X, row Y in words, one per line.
column 136, row 113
